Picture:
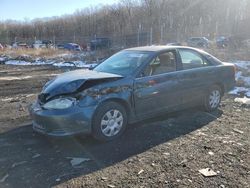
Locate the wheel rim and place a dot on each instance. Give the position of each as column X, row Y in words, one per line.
column 111, row 123
column 214, row 99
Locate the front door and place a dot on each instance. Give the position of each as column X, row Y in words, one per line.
column 157, row 88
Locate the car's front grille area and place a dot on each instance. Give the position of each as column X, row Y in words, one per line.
column 42, row 98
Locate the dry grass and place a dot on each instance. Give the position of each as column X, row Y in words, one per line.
column 47, row 53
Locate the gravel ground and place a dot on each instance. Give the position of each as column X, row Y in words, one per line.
column 166, row 151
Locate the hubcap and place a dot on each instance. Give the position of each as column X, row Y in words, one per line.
column 214, row 99
column 111, row 123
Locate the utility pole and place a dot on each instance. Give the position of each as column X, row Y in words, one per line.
column 151, row 36
column 74, row 38
column 161, row 34
column 138, row 35
column 54, row 41
column 95, row 42
column 162, row 30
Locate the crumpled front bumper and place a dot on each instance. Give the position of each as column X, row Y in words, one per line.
column 58, row 123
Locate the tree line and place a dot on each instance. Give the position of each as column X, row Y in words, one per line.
column 164, row 19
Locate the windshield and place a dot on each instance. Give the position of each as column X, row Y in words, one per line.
column 123, row 63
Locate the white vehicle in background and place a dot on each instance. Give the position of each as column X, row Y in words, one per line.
column 38, row 44
column 18, row 45
column 42, row 44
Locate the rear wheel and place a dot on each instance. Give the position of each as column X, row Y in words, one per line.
column 109, row 122
column 213, row 98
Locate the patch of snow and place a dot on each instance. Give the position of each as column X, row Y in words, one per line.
column 78, row 64
column 248, row 93
column 238, row 90
column 244, row 100
column 89, row 65
column 242, row 64
column 243, row 74
column 16, row 62
column 238, row 75
column 246, row 80
column 64, row 64
column 42, row 62
column 14, row 78
column 37, row 62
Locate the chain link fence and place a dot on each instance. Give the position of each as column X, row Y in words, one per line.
column 116, row 42
column 140, row 38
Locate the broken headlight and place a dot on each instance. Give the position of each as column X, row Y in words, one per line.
column 60, row 103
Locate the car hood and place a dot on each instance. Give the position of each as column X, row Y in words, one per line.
column 74, row 81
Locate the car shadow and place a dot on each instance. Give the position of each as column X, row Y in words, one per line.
column 31, row 160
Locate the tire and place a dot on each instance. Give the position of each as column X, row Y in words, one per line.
column 213, row 98
column 109, row 122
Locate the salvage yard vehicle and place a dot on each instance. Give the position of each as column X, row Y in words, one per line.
column 100, row 43
column 132, row 85
column 198, row 42
column 72, row 47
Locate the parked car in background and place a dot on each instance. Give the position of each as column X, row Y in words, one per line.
column 72, row 47
column 60, row 46
column 38, row 44
column 19, row 45
column 132, row 85
column 99, row 43
column 198, row 42
column 42, row 44
column 222, row 42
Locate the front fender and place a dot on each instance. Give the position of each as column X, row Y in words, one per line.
column 94, row 97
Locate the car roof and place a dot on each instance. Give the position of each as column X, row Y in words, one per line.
column 159, row 48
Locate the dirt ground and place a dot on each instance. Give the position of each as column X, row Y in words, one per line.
column 166, row 151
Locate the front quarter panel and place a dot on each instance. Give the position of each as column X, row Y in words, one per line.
column 120, row 90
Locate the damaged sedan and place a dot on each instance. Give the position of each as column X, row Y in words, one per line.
column 132, row 85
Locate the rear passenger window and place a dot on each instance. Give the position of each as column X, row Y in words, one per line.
column 191, row 59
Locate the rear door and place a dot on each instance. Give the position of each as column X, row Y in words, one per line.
column 196, row 75
column 157, row 89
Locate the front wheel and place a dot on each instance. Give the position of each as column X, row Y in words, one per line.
column 109, row 122
column 213, row 98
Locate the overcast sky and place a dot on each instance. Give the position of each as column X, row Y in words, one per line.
column 30, row 9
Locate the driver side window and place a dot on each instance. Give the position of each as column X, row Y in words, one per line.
column 163, row 63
